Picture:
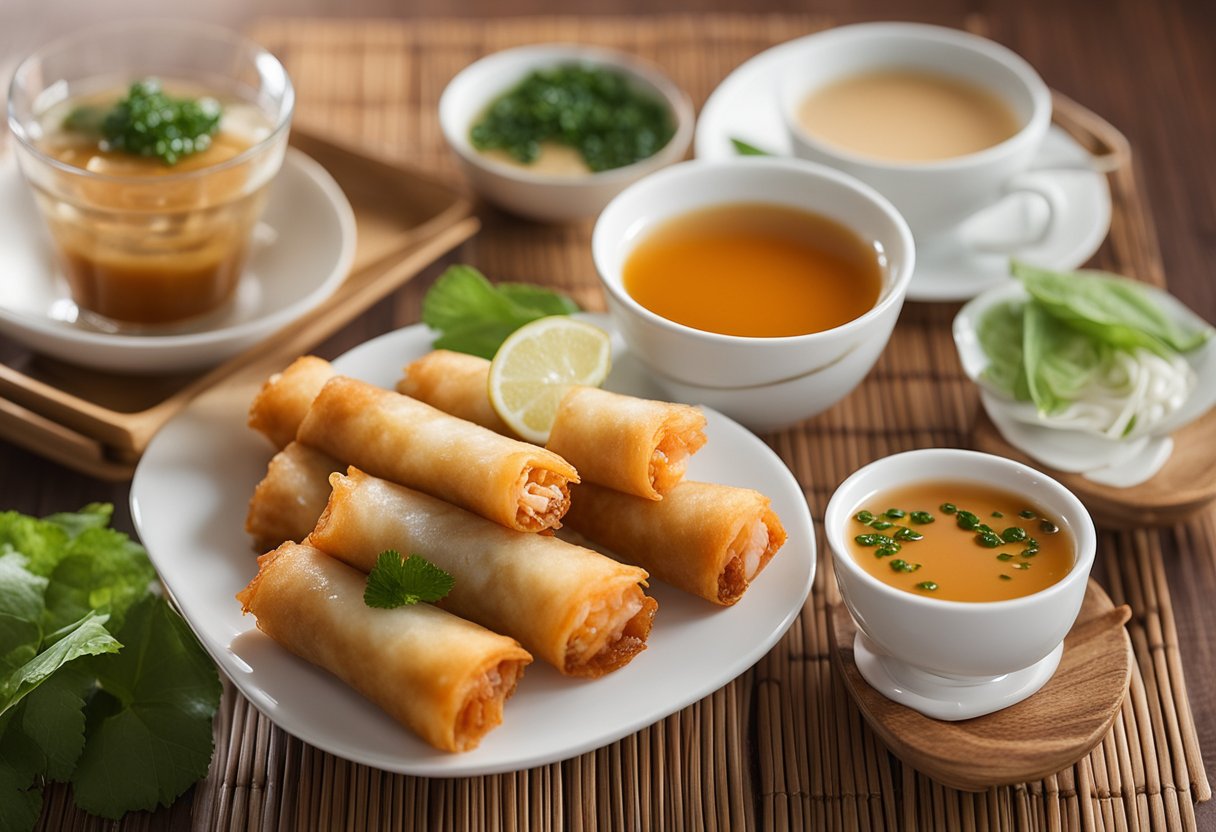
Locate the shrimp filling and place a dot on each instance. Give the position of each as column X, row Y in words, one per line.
column 744, row 559
column 482, row 710
column 543, row 499
column 670, row 457
column 604, row 623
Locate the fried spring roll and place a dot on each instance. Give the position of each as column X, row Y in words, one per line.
column 442, row 677
column 280, row 405
column 455, row 383
column 582, row 612
column 636, row 446
column 518, row 485
column 290, row 498
column 709, row 540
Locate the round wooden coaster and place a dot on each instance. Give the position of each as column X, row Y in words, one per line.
column 1186, row 484
column 1039, row 736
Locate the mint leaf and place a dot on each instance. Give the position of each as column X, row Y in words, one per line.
column 87, row 637
column 149, row 732
column 394, row 582
column 472, row 315
column 21, row 609
column 103, row 570
column 745, row 149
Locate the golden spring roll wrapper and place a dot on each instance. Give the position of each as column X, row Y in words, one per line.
column 633, row 445
column 280, row 405
column 289, row 499
column 442, row 677
column 408, row 442
column 456, row 383
column 685, row 539
column 536, row 588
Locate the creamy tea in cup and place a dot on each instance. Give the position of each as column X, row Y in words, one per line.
column 907, row 116
column 941, row 122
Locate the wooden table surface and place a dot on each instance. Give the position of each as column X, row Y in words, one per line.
column 1147, row 67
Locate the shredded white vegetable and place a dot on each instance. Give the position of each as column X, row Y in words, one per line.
column 1135, row 391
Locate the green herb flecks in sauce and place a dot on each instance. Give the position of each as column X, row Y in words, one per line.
column 928, row 586
column 150, row 123
column 596, row 111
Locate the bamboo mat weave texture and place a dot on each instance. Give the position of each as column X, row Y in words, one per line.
column 782, row 747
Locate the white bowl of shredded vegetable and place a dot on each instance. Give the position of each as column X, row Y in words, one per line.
column 1088, row 372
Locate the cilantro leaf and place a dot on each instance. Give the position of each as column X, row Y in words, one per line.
column 473, row 315
column 149, row 733
column 395, row 582
column 86, row 637
column 103, row 570
column 21, row 608
column 40, row 541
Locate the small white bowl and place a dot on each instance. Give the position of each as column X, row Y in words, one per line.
column 762, row 382
column 543, row 196
column 953, row 659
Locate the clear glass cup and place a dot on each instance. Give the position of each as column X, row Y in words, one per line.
column 145, row 246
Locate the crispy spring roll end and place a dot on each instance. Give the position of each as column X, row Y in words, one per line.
column 749, row 553
column 279, row 406
column 681, row 437
column 544, row 498
column 611, row 633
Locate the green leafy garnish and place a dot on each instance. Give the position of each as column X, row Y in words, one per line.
column 1049, row 349
column 474, row 316
column 745, row 149
column 149, row 123
column 398, row 582
column 101, row 683
column 599, row 112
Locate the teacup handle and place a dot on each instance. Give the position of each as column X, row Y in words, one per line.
column 1049, row 194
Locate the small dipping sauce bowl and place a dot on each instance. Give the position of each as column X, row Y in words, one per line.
column 544, row 196
column 955, row 660
column 149, row 247
column 764, row 382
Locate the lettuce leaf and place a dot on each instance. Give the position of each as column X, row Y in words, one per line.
column 1108, row 308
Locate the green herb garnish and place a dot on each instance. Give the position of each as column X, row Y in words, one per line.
column 864, row 517
column 881, row 525
column 101, row 683
column 397, row 582
column 599, row 112
column 888, row 550
column 967, row 521
column 906, row 534
column 1004, row 556
column 901, row 565
column 1014, row 534
column 1048, row 527
column 948, row 508
column 149, row 123
column 1005, row 577
column 1027, row 514
column 745, row 149
column 988, row 540
column 921, row 517
column 928, row 586
column 475, row 316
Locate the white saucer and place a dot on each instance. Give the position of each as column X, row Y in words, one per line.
column 303, row 249
column 744, row 106
column 1119, row 463
column 946, row 697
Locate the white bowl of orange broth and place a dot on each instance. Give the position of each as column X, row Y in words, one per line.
column 765, row 288
column 558, row 185
column 964, row 572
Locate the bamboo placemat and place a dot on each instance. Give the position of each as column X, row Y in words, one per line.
column 782, row 747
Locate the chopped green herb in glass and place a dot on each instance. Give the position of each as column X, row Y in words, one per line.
column 149, row 123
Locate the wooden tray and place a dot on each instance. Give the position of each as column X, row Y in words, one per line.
column 99, row 423
column 1037, row 737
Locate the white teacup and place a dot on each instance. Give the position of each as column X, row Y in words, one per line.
column 830, row 363
column 935, row 197
column 953, row 659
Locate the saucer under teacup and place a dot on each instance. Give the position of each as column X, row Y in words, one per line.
column 301, row 254
column 745, row 106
